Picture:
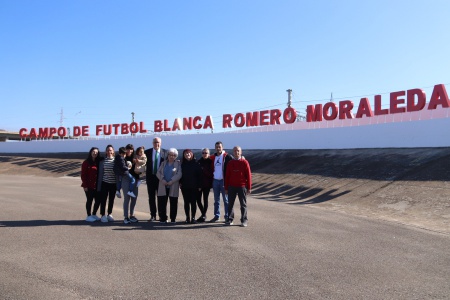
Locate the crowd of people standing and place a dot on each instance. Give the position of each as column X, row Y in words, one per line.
column 227, row 175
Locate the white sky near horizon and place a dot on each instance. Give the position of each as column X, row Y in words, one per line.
column 99, row 61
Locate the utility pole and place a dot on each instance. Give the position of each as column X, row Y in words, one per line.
column 289, row 91
column 61, row 118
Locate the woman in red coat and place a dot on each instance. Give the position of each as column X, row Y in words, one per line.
column 89, row 172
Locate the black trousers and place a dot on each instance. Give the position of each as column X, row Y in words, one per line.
column 152, row 189
column 242, row 195
column 90, row 196
column 108, row 193
column 190, row 203
column 203, row 207
column 162, row 206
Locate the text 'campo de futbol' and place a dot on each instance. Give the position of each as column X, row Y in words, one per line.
column 399, row 102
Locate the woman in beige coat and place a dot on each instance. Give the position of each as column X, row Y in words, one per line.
column 169, row 175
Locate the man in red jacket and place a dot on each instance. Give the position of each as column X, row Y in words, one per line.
column 238, row 181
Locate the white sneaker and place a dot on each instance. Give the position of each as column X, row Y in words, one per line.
column 138, row 183
column 131, row 194
column 90, row 219
column 104, row 219
column 118, row 195
column 95, row 217
column 110, row 218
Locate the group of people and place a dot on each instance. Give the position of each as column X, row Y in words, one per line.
column 227, row 175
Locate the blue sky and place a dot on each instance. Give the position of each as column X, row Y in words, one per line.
column 101, row 60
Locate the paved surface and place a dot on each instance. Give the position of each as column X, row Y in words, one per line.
column 287, row 252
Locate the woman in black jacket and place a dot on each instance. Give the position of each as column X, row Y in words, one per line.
column 190, row 184
column 206, row 180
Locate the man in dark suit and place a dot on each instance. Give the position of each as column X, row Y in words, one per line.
column 155, row 156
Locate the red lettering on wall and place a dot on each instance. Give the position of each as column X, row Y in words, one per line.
column 62, row 131
column 76, row 131
column 208, row 123
column 226, row 121
column 264, row 117
column 439, row 97
column 239, row 120
column 330, row 111
column 166, row 125
column 158, row 126
column 134, row 128
column 395, row 102
column 411, row 105
column 52, row 132
column 195, row 122
column 345, row 109
column 314, row 113
column 98, row 129
column 187, row 123
column 364, row 108
column 43, row 133
column 85, row 130
column 289, row 115
column 142, row 128
column 176, row 124
column 275, row 115
column 252, row 119
column 23, row 133
column 378, row 110
column 124, row 128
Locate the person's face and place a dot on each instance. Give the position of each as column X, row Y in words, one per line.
column 94, row 154
column 141, row 152
column 188, row 155
column 219, row 148
column 205, row 154
column 156, row 144
column 130, row 152
column 109, row 152
column 237, row 152
column 172, row 157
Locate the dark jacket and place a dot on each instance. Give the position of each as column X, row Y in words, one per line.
column 207, row 173
column 191, row 178
column 120, row 166
column 149, row 154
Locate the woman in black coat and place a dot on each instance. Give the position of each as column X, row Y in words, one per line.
column 190, row 184
column 206, row 180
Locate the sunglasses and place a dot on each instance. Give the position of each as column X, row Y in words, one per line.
column 204, row 152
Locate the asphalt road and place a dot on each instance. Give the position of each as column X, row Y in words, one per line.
column 288, row 251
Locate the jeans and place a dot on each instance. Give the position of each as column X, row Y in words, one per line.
column 131, row 180
column 218, row 189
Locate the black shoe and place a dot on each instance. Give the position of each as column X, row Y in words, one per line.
column 152, row 219
column 201, row 219
column 215, row 219
column 193, row 221
column 187, row 221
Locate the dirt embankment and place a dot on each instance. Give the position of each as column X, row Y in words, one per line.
column 410, row 186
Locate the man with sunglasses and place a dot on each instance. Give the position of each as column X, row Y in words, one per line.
column 155, row 156
column 219, row 161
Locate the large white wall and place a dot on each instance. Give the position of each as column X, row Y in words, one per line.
column 425, row 133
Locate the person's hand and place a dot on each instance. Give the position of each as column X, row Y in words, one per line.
column 226, row 192
column 249, row 191
column 85, row 189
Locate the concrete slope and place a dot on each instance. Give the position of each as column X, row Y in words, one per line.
column 410, row 186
